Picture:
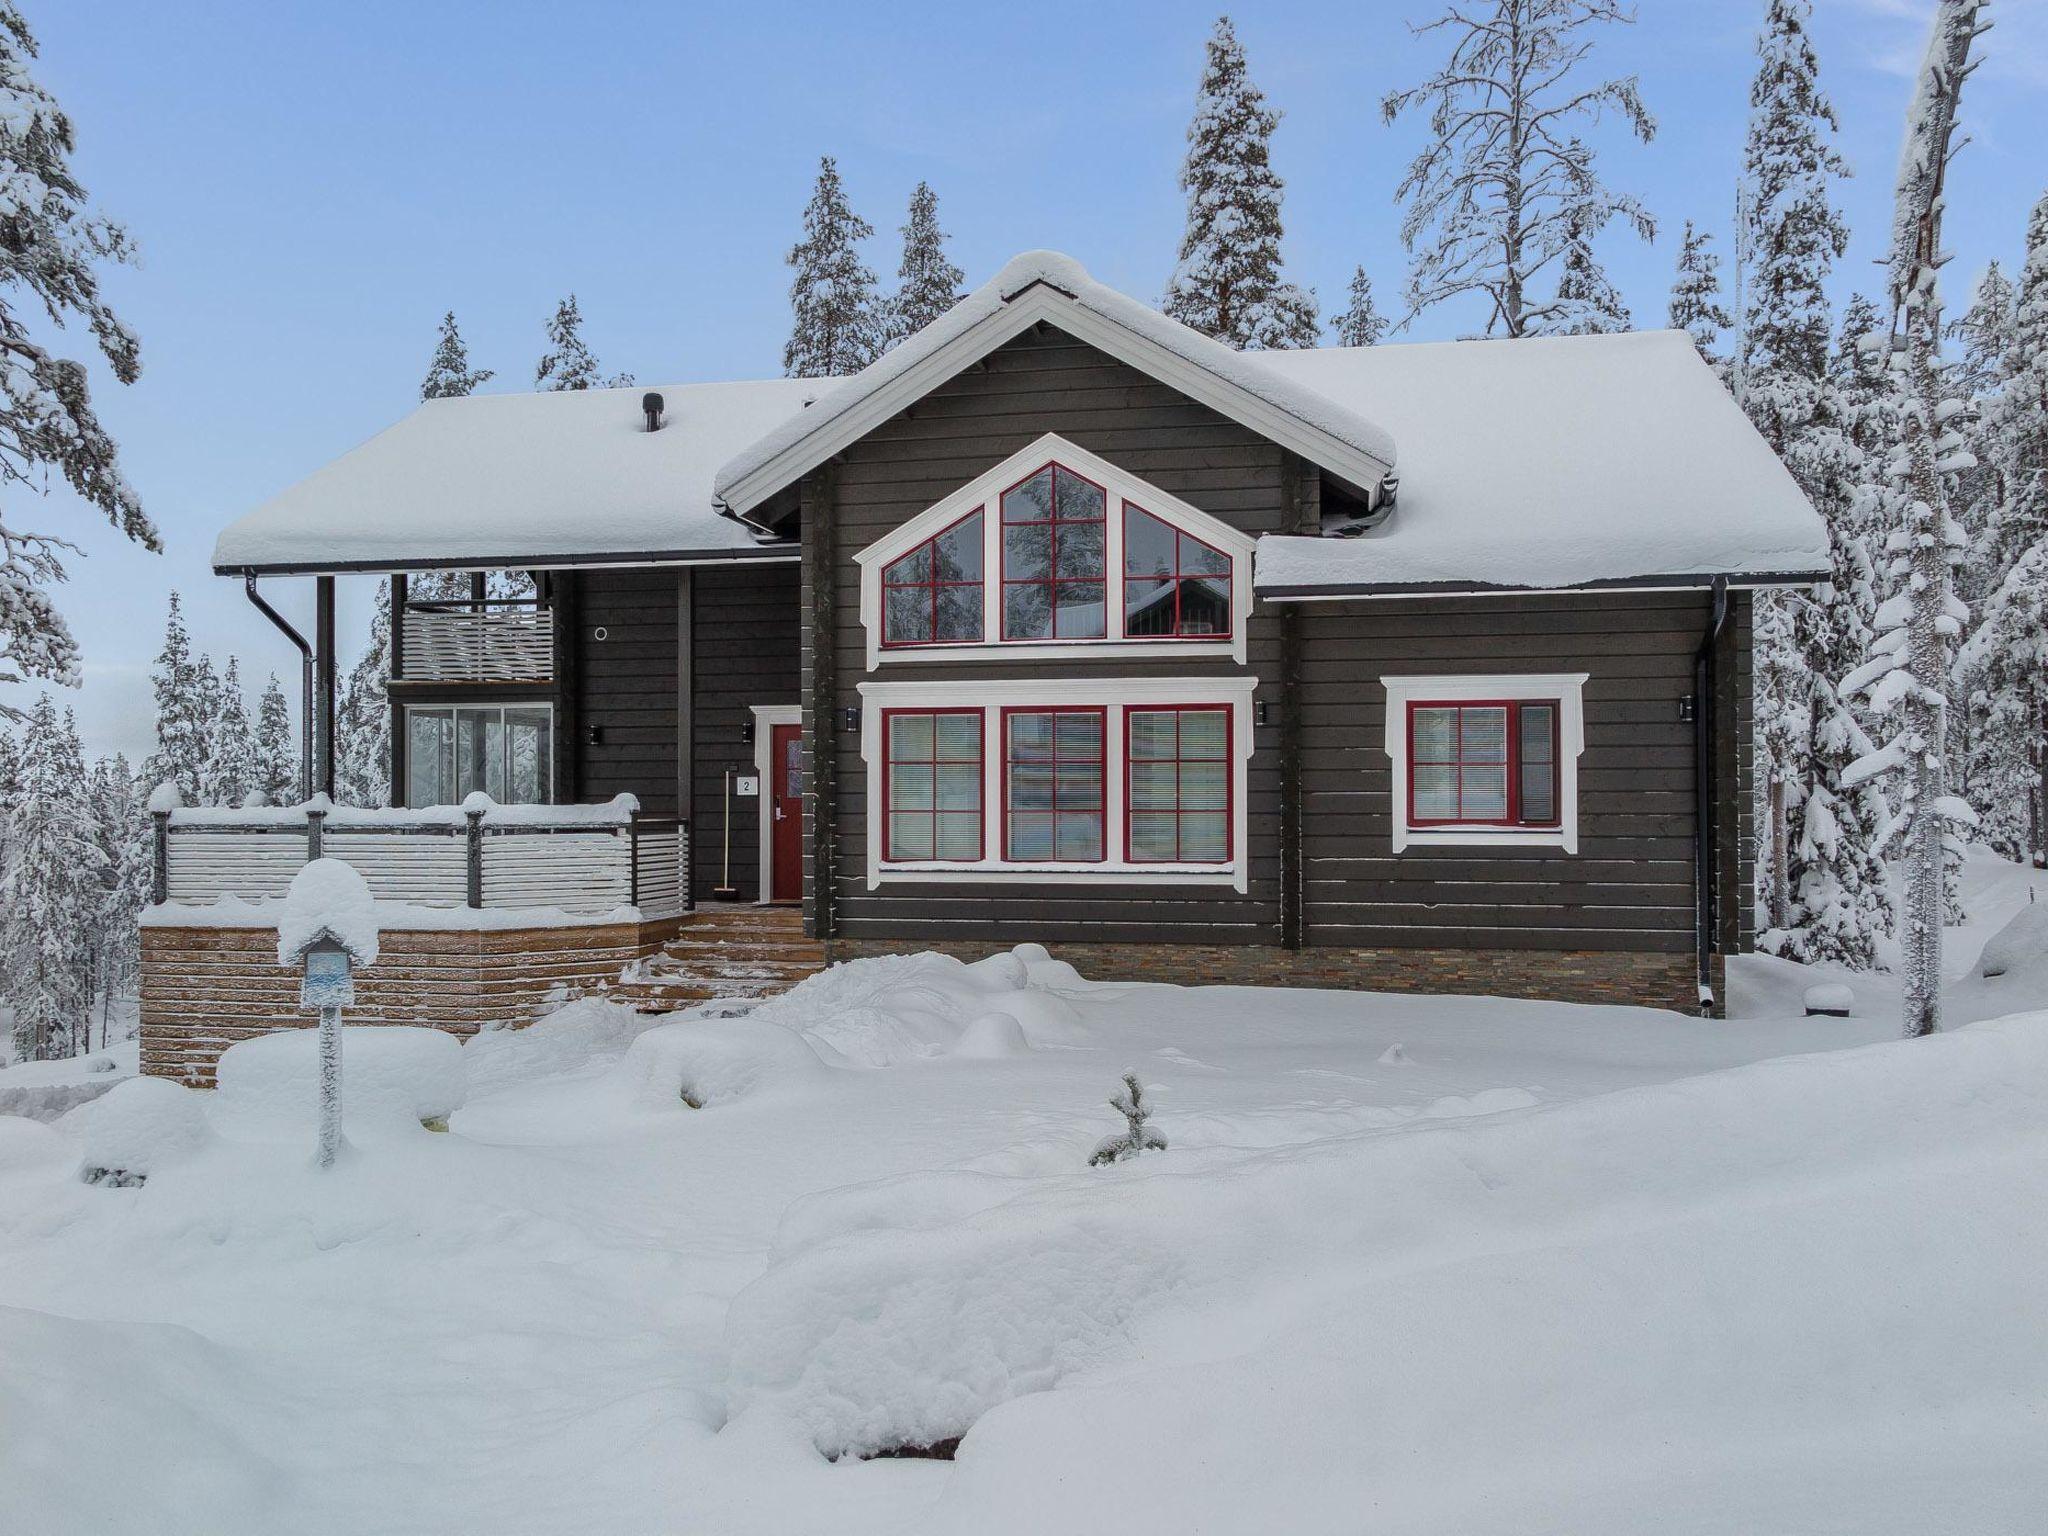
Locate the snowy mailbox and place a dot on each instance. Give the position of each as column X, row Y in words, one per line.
column 328, row 927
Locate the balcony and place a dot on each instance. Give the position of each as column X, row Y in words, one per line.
column 490, row 640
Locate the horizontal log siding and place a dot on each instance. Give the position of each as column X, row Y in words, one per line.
column 1630, row 886
column 625, row 687
column 746, row 639
column 1044, row 382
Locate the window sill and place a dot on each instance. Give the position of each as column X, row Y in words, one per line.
column 1065, row 874
column 1055, row 650
column 1484, row 837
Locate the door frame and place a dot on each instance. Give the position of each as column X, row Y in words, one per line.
column 766, row 718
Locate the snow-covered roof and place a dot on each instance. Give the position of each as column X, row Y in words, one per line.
column 1554, row 462
column 1048, row 286
column 522, row 480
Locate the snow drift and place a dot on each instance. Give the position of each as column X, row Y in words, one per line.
column 393, row 1077
column 926, row 1306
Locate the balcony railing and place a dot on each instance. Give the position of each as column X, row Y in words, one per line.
column 492, row 640
column 582, row 860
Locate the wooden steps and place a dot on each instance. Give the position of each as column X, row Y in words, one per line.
column 724, row 952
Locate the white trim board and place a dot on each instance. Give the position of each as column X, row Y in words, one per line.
column 766, row 717
column 1565, row 687
column 983, row 492
column 992, row 696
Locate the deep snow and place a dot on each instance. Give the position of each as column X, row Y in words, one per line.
column 1411, row 1264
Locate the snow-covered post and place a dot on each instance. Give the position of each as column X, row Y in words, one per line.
column 1907, row 673
column 327, row 928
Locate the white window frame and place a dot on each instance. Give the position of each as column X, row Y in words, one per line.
column 984, row 493
column 992, row 697
column 1566, row 688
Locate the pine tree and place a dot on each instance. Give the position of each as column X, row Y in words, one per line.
column 362, row 718
column 1587, row 304
column 1138, row 1134
column 568, row 363
column 51, row 249
column 836, row 325
column 183, row 714
column 1696, row 306
column 120, row 833
column 1505, row 176
column 927, row 283
column 277, row 765
column 1359, row 324
column 449, row 374
column 1908, row 673
column 230, row 774
column 52, row 875
column 1227, row 281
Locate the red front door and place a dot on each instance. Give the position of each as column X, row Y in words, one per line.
column 786, row 808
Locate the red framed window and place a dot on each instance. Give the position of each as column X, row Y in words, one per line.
column 1489, row 762
column 1177, row 784
column 932, row 595
column 1053, row 785
column 1175, row 586
column 931, row 785
column 1055, row 578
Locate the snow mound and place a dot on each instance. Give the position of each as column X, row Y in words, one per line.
column 574, row 1037
column 898, row 1008
column 907, row 1321
column 28, row 1145
column 991, row 1037
column 2021, row 944
column 1834, row 999
column 142, row 1125
column 327, row 898
column 393, row 1077
column 703, row 1062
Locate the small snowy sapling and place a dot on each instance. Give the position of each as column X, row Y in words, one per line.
column 1138, row 1134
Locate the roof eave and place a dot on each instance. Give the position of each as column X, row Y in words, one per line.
column 556, row 560
column 1740, row 580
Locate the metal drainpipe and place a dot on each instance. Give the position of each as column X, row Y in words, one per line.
column 305, row 682
column 1706, row 832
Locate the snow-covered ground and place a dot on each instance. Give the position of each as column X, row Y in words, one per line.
column 1409, row 1265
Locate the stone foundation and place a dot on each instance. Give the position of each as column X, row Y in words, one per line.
column 1566, row 976
column 205, row 988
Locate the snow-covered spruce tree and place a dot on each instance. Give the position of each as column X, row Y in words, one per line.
column 837, row 326
column 1359, row 323
column 450, row 374
column 1227, row 282
column 1907, row 675
column 568, row 363
column 120, row 833
column 277, row 763
column 231, row 760
column 362, row 717
column 1137, row 1136
column 51, row 247
column 1493, row 196
column 184, row 723
column 927, row 282
column 1696, row 306
column 53, row 877
column 1587, row 304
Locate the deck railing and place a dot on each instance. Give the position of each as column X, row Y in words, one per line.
column 581, row 860
column 493, row 640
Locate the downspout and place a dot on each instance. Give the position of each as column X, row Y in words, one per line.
column 305, row 682
column 1705, row 828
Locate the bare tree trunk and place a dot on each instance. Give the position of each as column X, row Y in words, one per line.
column 1781, row 857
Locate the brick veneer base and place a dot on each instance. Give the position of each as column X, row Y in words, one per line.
column 1569, row 976
column 205, row 988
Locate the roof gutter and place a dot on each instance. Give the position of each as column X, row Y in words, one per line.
column 785, row 549
column 1331, row 593
column 305, row 682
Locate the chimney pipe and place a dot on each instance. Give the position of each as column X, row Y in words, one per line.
column 651, row 403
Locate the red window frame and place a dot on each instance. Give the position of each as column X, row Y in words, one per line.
column 1052, row 563
column 1125, row 578
column 1514, row 817
column 1229, row 715
column 889, row 718
column 933, row 586
column 1101, row 761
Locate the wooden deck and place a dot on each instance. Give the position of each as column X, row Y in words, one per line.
column 724, row 951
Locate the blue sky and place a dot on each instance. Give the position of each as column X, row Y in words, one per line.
column 313, row 185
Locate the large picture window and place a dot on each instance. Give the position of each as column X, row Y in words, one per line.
column 932, row 596
column 932, row 785
column 453, row 751
column 1054, row 557
column 1483, row 763
column 1053, row 785
column 1178, row 772
column 1174, row 584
